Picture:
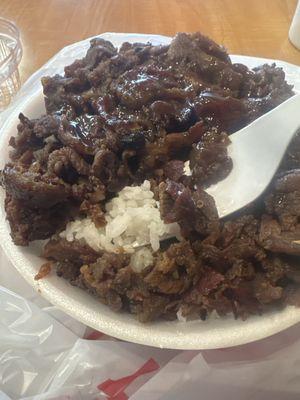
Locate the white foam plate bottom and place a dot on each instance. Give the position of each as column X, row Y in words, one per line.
column 214, row 333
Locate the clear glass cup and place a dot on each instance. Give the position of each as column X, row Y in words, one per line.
column 10, row 57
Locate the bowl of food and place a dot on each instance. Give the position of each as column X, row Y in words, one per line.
column 104, row 209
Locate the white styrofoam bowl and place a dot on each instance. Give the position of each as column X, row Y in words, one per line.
column 214, row 333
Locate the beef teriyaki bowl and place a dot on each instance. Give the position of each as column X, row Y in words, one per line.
column 103, row 207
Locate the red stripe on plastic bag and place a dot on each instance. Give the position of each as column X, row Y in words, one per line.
column 115, row 387
column 94, row 335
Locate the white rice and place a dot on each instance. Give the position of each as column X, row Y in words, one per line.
column 213, row 316
column 180, row 317
column 133, row 226
column 186, row 169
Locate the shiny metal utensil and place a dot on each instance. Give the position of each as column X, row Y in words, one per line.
column 256, row 152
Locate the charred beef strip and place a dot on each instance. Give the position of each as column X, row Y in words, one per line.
column 30, row 223
column 194, row 210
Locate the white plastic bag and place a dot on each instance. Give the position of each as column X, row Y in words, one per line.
column 40, row 355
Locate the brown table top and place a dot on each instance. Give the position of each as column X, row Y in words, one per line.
column 251, row 27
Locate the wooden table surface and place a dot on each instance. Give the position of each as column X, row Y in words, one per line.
column 251, row 27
